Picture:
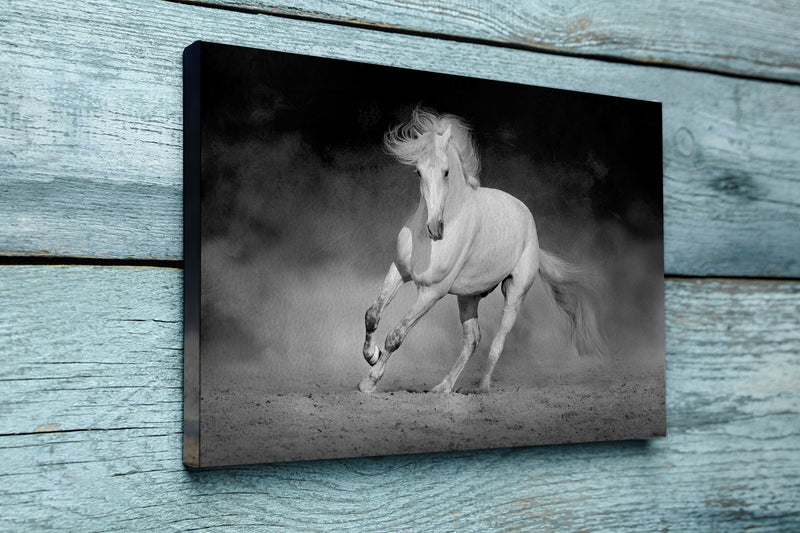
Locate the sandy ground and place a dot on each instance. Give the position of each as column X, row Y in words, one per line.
column 242, row 424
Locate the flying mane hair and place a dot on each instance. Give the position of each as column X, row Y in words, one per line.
column 411, row 141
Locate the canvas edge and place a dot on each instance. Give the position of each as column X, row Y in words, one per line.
column 192, row 139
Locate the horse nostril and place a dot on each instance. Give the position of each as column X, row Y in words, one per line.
column 435, row 230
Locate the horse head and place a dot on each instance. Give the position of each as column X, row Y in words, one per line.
column 434, row 183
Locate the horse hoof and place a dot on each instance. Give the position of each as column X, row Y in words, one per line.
column 372, row 359
column 442, row 388
column 366, row 385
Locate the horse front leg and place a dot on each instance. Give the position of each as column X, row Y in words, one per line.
column 426, row 298
column 393, row 281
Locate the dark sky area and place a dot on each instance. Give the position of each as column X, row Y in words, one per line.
column 301, row 208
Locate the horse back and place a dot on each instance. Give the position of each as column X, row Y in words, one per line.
column 506, row 224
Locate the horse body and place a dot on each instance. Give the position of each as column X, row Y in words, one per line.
column 483, row 242
column 465, row 240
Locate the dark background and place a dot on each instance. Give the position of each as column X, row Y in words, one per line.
column 301, row 208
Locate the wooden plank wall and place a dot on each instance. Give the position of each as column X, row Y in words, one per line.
column 91, row 279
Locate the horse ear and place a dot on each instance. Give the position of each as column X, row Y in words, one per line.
column 443, row 138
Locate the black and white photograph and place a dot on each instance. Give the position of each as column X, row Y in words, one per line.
column 386, row 261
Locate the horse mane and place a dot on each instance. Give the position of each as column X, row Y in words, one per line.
column 413, row 140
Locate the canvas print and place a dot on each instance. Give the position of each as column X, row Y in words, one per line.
column 382, row 260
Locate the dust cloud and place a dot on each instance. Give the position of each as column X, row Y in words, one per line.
column 300, row 250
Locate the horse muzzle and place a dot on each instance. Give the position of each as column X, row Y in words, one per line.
column 436, row 230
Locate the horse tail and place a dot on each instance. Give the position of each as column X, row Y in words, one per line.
column 578, row 300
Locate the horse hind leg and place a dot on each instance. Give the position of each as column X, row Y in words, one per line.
column 514, row 292
column 468, row 313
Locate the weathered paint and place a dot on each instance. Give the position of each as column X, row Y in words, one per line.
column 91, row 358
column 749, row 38
column 98, row 352
column 93, row 136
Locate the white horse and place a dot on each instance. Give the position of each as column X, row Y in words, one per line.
column 466, row 240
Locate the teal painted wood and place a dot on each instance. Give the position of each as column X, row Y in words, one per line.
column 91, row 157
column 749, row 38
column 90, row 429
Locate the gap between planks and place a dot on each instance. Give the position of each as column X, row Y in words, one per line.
column 54, row 260
column 42, row 260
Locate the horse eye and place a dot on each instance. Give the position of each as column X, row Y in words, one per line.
column 446, row 173
column 416, row 171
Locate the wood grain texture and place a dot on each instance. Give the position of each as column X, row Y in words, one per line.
column 90, row 429
column 91, row 132
column 748, row 38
